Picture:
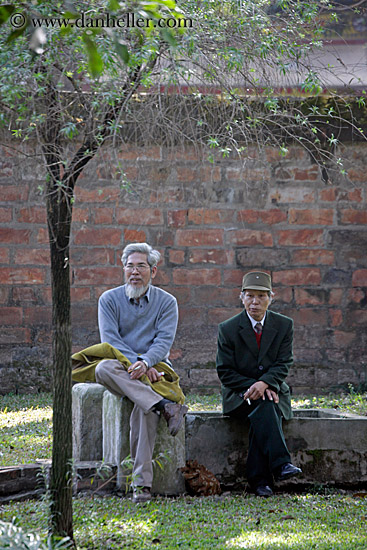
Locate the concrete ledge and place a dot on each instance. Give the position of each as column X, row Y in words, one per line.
column 168, row 450
column 330, row 447
column 87, row 421
column 30, row 480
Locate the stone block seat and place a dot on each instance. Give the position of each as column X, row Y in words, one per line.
column 329, row 446
column 101, row 427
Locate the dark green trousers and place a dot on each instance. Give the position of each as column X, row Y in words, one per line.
column 267, row 447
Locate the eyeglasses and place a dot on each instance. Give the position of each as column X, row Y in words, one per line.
column 138, row 267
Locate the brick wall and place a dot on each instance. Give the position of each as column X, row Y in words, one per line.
column 212, row 222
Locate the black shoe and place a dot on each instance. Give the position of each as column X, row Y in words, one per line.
column 263, row 491
column 285, row 471
column 174, row 415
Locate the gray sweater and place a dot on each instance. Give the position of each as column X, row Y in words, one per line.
column 146, row 330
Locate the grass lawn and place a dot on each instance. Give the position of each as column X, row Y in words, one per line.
column 289, row 522
column 323, row 519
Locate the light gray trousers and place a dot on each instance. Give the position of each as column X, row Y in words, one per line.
column 143, row 421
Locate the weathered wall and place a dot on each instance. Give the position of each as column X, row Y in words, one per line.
column 212, row 222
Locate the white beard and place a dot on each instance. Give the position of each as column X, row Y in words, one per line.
column 135, row 292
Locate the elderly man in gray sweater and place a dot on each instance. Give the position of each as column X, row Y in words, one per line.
column 140, row 320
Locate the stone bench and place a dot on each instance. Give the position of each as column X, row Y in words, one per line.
column 330, row 447
column 101, row 427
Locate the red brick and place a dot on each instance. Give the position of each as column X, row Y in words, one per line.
column 46, row 295
column 309, row 316
column 23, row 294
column 204, row 295
column 13, row 193
column 15, row 336
column 301, row 276
column 176, row 256
column 43, row 336
column 313, row 257
column 301, row 237
column 162, row 278
column 4, row 295
column 249, row 237
column 175, row 354
column 139, row 216
column 104, row 236
column 357, row 175
column 332, row 194
column 205, row 256
column 32, row 214
column 283, row 295
column 356, row 295
column 186, row 174
column 37, row 256
column 4, row 255
column 185, row 153
column 292, row 194
column 196, row 237
column 102, row 215
column 93, row 256
column 15, row 236
column 273, row 154
column 305, row 298
column 98, row 275
column 40, row 315
column 19, row 276
column 335, row 296
column 208, row 216
column 80, row 215
column 152, row 152
column 210, row 173
column 83, row 315
column 176, row 218
column 354, row 216
column 181, row 293
column 42, row 236
column 80, row 294
column 355, row 195
column 306, row 174
column 196, row 276
column 336, row 317
column 11, row 315
column 359, row 277
column 342, row 339
column 273, row 216
column 218, row 315
column 107, row 194
column 311, row 217
column 233, row 277
column 191, row 316
column 134, row 236
column 6, row 214
column 248, row 216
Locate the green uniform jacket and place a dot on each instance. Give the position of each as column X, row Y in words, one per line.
column 240, row 363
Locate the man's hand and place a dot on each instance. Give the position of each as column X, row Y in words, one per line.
column 272, row 395
column 154, row 375
column 137, row 369
column 256, row 391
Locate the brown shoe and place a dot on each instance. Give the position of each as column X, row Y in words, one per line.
column 174, row 415
column 141, row 494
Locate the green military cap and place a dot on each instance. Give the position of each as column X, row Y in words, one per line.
column 256, row 280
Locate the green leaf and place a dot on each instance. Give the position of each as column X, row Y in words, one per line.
column 15, row 34
column 169, row 37
column 122, row 51
column 95, row 61
column 5, row 12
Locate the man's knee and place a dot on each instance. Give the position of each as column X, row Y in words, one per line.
column 103, row 369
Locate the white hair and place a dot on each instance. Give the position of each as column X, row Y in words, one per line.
column 153, row 256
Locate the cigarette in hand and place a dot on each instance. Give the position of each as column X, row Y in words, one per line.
column 248, row 401
column 161, row 373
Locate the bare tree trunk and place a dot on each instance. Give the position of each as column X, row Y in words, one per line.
column 59, row 224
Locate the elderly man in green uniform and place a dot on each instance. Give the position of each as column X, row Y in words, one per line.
column 253, row 360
